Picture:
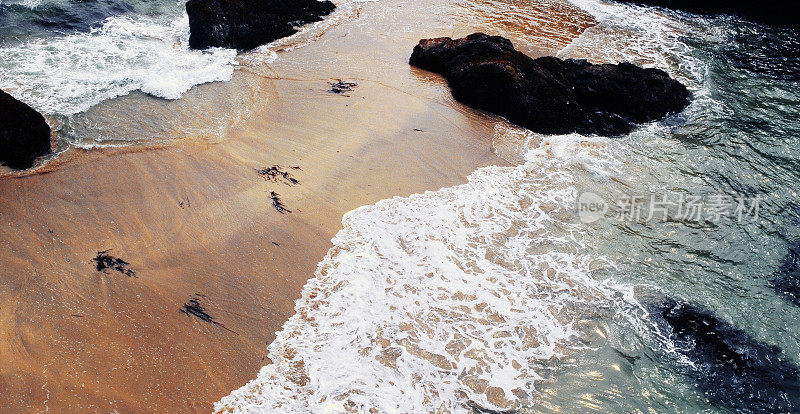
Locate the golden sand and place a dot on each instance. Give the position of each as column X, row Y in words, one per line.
column 193, row 217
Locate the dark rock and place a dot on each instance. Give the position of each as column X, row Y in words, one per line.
column 732, row 369
column 246, row 24
column 785, row 13
column 787, row 279
column 477, row 409
column 550, row 95
column 24, row 134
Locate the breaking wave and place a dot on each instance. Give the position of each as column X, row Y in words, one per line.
column 464, row 295
column 472, row 295
column 69, row 74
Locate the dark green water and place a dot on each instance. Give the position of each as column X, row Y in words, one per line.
column 739, row 139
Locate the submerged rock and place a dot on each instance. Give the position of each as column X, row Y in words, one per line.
column 787, row 280
column 783, row 13
column 24, row 134
column 734, row 370
column 246, row 24
column 550, row 95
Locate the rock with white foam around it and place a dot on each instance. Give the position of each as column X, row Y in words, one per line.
column 24, row 134
column 550, row 95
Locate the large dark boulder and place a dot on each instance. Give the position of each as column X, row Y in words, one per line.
column 24, row 134
column 732, row 369
column 785, row 13
column 246, row 24
column 550, row 95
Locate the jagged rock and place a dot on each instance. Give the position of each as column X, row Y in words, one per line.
column 246, row 24
column 24, row 134
column 550, row 95
column 732, row 369
column 773, row 12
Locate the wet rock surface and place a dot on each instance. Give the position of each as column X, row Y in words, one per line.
column 550, row 95
column 24, row 134
column 246, row 24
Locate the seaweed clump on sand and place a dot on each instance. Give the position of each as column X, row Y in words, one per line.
column 341, row 87
column 194, row 307
column 732, row 369
column 105, row 262
column 277, row 203
column 275, row 173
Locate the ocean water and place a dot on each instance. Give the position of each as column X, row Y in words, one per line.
column 499, row 294
column 65, row 65
column 69, row 58
column 495, row 293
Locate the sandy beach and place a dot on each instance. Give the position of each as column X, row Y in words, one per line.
column 194, row 219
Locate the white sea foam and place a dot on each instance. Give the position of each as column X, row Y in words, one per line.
column 643, row 36
column 69, row 74
column 31, row 4
column 653, row 38
column 474, row 292
column 463, row 294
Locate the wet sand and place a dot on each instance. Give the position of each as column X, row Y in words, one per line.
column 194, row 220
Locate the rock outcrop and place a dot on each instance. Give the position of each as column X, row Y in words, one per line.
column 24, row 134
column 784, row 13
column 246, row 24
column 732, row 369
column 550, row 95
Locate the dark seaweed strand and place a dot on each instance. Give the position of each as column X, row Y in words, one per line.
column 278, row 204
column 340, row 87
column 193, row 307
column 274, row 172
column 105, row 261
